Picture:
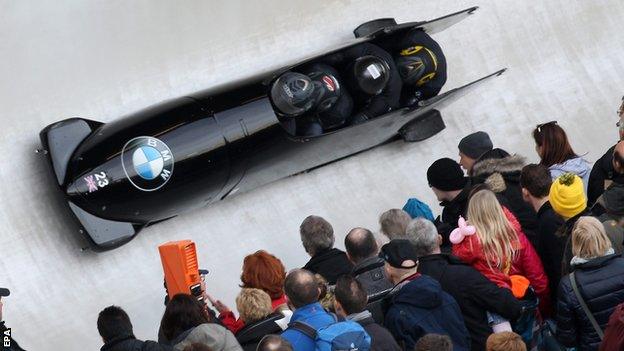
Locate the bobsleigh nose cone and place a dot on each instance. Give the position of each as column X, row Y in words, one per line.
column 72, row 190
column 76, row 188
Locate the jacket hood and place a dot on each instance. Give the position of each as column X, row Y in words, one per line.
column 422, row 292
column 496, row 171
column 575, row 165
column 598, row 262
column 506, row 164
column 255, row 331
column 213, row 335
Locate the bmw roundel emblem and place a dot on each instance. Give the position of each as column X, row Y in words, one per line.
column 147, row 162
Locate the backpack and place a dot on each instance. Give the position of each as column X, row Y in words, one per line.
column 339, row 336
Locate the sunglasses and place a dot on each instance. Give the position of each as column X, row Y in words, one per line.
column 539, row 126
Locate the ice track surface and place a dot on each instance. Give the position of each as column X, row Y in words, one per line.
column 101, row 60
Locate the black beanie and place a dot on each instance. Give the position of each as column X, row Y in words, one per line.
column 446, row 174
column 476, row 144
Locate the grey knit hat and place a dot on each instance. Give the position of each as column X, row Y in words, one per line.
column 475, row 144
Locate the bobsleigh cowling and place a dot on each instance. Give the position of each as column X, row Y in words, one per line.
column 191, row 151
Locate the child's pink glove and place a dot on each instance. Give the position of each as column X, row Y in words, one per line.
column 458, row 234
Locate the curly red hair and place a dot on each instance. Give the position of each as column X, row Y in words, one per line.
column 261, row 270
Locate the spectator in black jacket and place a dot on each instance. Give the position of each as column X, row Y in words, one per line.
column 317, row 237
column 254, row 307
column 115, row 328
column 368, row 269
column 474, row 293
column 599, row 277
column 535, row 181
column 500, row 171
column 350, row 304
column 451, row 188
column 609, row 207
column 603, row 168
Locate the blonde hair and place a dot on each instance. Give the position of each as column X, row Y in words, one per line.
column 505, row 341
column 253, row 304
column 498, row 238
column 589, row 239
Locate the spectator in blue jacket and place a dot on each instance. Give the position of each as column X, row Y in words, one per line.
column 418, row 305
column 303, row 293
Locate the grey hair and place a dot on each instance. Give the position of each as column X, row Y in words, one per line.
column 424, row 235
column 316, row 234
column 393, row 223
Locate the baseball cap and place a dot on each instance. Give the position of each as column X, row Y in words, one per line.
column 398, row 251
column 4, row 292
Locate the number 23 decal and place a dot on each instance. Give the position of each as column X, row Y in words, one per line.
column 101, row 179
column 96, row 181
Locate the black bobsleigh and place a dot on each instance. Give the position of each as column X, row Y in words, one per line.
column 191, row 151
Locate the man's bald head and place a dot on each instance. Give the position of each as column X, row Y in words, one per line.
column 301, row 288
column 273, row 342
column 618, row 157
column 360, row 244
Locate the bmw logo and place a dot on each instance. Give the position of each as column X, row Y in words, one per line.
column 147, row 162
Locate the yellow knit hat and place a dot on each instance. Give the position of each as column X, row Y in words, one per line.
column 567, row 195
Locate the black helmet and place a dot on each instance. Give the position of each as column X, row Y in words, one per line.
column 371, row 74
column 293, row 94
column 328, row 89
column 417, row 65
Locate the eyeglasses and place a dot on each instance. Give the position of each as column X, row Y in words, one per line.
column 539, row 126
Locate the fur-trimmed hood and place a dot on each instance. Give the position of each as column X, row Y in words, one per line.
column 509, row 164
column 495, row 172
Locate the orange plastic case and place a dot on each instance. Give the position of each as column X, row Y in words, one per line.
column 179, row 260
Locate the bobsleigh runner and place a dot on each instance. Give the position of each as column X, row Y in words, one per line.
column 191, row 151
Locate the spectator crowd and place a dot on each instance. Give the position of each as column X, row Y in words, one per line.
column 522, row 256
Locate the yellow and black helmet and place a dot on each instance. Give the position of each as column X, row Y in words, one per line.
column 417, row 65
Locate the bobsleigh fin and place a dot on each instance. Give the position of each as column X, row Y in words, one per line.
column 61, row 140
column 444, row 22
column 430, row 27
column 450, row 96
column 104, row 233
column 422, row 127
column 427, row 120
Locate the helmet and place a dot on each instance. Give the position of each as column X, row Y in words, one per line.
column 327, row 88
column 371, row 74
column 417, row 65
column 293, row 94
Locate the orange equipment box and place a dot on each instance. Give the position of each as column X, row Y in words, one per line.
column 179, row 260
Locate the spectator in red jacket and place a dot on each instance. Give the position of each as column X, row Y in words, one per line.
column 499, row 248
